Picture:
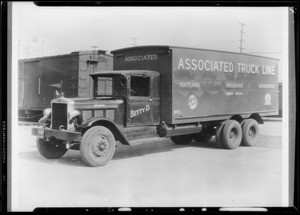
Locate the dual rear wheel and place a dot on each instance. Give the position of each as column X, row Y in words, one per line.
column 232, row 134
column 229, row 135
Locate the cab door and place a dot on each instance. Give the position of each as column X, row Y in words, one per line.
column 143, row 102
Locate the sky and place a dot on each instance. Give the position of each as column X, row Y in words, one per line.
column 68, row 29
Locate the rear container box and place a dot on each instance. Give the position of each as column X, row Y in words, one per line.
column 200, row 85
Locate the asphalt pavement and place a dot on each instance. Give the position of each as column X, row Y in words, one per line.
column 157, row 174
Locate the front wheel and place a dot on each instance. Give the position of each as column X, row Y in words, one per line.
column 182, row 139
column 51, row 148
column 97, row 146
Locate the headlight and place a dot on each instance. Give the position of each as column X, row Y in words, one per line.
column 73, row 113
column 47, row 112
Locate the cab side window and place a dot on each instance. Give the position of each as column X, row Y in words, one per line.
column 140, row 86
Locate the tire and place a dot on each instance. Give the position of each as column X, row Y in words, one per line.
column 182, row 139
column 98, row 146
column 232, row 134
column 52, row 148
column 218, row 136
column 250, row 132
column 202, row 137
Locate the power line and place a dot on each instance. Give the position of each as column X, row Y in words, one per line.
column 262, row 52
column 241, row 40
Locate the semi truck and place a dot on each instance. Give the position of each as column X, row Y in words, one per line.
column 184, row 94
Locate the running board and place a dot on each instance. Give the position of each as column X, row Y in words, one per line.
column 145, row 140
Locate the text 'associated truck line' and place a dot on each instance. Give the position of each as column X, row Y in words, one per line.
column 223, row 66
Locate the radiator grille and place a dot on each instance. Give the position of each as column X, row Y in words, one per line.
column 59, row 115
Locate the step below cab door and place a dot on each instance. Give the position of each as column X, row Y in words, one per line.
column 143, row 101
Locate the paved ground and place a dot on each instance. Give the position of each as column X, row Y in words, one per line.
column 155, row 174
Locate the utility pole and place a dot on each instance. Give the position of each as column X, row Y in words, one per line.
column 134, row 39
column 241, row 40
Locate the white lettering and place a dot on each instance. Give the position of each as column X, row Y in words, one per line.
column 194, row 65
column 189, row 84
column 134, row 113
column 268, row 70
column 180, row 64
column 266, row 86
column 206, row 66
column 234, row 85
column 200, row 65
column 141, row 58
column 187, row 62
column 221, row 66
column 147, row 107
column 230, row 67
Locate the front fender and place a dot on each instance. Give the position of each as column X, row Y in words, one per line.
column 108, row 124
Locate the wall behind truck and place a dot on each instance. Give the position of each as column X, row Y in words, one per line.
column 39, row 78
column 88, row 64
column 36, row 77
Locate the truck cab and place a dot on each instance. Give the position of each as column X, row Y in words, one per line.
column 125, row 106
column 139, row 90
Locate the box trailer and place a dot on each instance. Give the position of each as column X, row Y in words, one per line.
column 162, row 91
column 41, row 79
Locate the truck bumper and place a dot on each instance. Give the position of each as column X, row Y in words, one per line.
column 58, row 134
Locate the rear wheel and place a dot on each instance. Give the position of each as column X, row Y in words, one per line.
column 98, row 146
column 182, row 139
column 250, row 132
column 51, row 148
column 232, row 134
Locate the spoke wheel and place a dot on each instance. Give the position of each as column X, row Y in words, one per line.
column 97, row 146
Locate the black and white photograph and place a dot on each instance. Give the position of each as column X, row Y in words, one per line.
column 143, row 107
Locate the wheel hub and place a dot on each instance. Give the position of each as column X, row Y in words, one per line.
column 233, row 133
column 252, row 132
column 100, row 147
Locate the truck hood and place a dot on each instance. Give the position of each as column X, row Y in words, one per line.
column 90, row 103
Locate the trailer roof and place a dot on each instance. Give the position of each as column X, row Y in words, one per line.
column 75, row 53
column 179, row 47
column 124, row 72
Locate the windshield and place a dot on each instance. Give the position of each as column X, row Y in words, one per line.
column 110, row 86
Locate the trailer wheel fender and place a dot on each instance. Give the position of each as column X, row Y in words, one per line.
column 218, row 134
column 109, row 125
column 237, row 118
column 257, row 117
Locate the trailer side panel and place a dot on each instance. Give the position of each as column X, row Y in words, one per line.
column 211, row 83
